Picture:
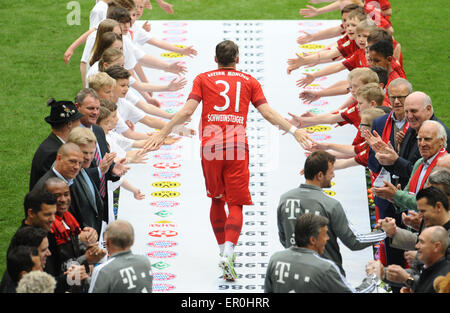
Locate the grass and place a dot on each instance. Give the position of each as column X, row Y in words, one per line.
column 35, row 35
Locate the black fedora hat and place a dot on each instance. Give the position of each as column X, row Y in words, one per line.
column 62, row 112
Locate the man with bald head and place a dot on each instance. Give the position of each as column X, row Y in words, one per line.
column 67, row 165
column 431, row 250
column 124, row 272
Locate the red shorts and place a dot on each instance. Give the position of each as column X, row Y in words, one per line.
column 228, row 178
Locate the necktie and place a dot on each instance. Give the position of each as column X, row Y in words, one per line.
column 97, row 159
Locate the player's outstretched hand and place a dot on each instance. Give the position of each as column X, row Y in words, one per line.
column 303, row 139
column 183, row 131
column 154, row 141
column 295, row 63
column 301, row 40
column 305, row 81
column 309, row 11
column 175, row 84
column 295, row 120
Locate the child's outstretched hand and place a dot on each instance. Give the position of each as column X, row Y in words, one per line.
column 308, row 79
column 67, row 55
column 147, row 27
column 138, row 195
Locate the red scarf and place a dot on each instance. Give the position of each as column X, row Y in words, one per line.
column 62, row 234
column 388, row 128
column 415, row 178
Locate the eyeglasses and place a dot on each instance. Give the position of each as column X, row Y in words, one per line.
column 364, row 125
column 400, row 98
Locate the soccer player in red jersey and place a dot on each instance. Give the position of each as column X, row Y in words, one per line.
column 226, row 94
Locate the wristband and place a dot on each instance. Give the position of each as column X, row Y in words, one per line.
column 292, row 129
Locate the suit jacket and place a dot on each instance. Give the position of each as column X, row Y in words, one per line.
column 104, row 148
column 86, row 210
column 43, row 158
column 385, row 207
column 409, row 154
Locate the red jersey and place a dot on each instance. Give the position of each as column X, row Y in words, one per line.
column 226, row 94
column 346, row 46
column 358, row 59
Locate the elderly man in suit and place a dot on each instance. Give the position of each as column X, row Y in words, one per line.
column 64, row 116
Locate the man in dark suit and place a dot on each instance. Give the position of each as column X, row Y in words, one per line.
column 64, row 116
column 390, row 127
column 88, row 103
column 397, row 160
column 418, row 108
column 67, row 165
column 88, row 208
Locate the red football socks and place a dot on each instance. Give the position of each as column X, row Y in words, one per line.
column 226, row 228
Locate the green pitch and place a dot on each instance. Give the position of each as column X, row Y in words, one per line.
column 35, row 35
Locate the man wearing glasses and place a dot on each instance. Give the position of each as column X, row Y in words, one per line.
column 394, row 150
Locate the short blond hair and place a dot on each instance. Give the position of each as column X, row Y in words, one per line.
column 100, row 80
column 364, row 74
column 371, row 114
column 81, row 136
column 371, row 92
column 366, row 25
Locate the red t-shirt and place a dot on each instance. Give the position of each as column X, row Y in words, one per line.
column 362, row 157
column 373, row 8
column 351, row 116
column 226, row 95
column 397, row 68
column 394, row 45
column 358, row 59
column 360, row 147
column 346, row 46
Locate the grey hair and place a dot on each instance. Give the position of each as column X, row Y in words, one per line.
column 440, row 176
column 398, row 82
column 120, row 234
column 36, row 282
column 83, row 93
column 442, row 133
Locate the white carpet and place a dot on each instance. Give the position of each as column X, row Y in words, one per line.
column 172, row 224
